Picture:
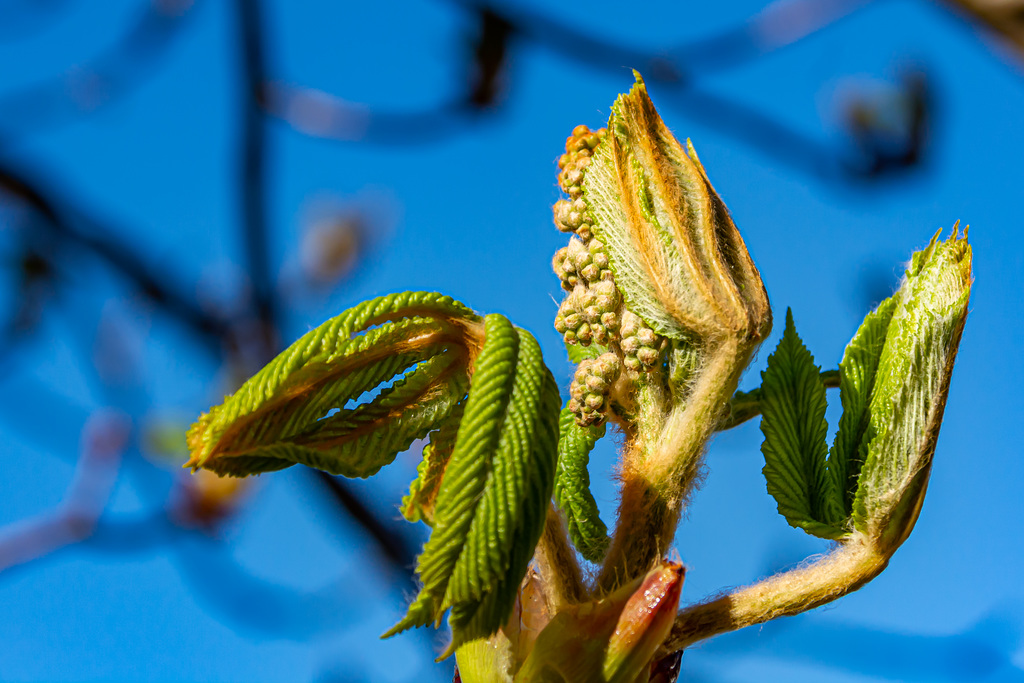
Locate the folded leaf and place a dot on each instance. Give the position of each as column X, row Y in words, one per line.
column 909, row 395
column 285, row 414
column 492, row 500
column 794, row 427
column 349, row 395
column 419, row 504
column 572, row 486
column 857, row 378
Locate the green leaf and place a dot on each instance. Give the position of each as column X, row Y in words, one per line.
column 578, row 353
column 420, row 343
column 572, row 486
column 357, row 442
column 909, row 395
column 493, row 498
column 419, row 504
column 794, row 427
column 857, row 378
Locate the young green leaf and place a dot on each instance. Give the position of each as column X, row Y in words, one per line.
column 857, row 378
column 572, row 486
column 492, row 500
column 419, row 504
column 283, row 414
column 794, row 427
column 909, row 395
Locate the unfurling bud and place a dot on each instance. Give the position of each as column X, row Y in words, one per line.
column 610, row 640
column 909, row 389
column 656, row 262
column 677, row 257
column 645, row 621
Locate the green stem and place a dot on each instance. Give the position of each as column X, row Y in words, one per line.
column 851, row 565
column 746, row 405
column 661, row 462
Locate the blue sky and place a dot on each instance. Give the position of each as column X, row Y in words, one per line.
column 470, row 216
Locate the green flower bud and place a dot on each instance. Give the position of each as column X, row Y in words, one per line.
column 646, row 336
column 607, row 297
column 590, row 386
column 562, row 210
column 591, row 272
column 596, row 383
column 647, row 356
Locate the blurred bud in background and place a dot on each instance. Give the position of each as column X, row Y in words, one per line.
column 888, row 122
column 202, row 500
column 336, row 238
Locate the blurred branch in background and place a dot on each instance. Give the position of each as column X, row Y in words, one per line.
column 678, row 69
column 67, row 226
column 104, row 439
column 1004, row 19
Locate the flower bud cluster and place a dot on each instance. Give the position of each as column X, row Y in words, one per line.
column 590, row 314
column 572, row 215
column 641, row 346
column 593, row 311
column 582, row 263
column 590, row 387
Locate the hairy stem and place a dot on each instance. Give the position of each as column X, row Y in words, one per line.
column 851, row 565
column 661, row 463
column 556, row 562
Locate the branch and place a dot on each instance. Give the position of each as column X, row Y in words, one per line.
column 252, row 160
column 779, row 25
column 319, row 114
column 557, row 564
column 1003, row 18
column 62, row 217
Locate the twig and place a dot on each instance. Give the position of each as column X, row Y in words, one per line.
column 63, row 218
column 252, row 161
